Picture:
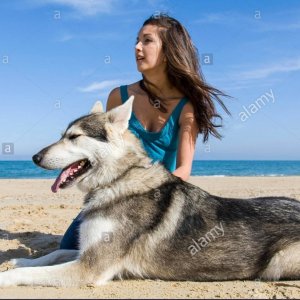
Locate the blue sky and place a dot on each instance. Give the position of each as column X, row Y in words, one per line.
column 57, row 57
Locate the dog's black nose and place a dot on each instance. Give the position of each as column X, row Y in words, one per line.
column 37, row 158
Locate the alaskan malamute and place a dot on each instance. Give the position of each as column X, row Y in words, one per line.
column 141, row 221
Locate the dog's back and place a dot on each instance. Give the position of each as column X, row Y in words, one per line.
column 177, row 231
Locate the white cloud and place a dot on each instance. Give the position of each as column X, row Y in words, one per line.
column 264, row 72
column 267, row 27
column 66, row 38
column 100, row 86
column 107, row 35
column 243, row 77
column 224, row 18
column 86, row 7
column 254, row 20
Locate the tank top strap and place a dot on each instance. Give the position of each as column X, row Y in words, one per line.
column 177, row 111
column 175, row 114
column 124, row 93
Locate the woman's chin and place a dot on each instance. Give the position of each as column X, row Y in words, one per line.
column 141, row 68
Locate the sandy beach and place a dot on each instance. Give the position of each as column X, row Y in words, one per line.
column 33, row 219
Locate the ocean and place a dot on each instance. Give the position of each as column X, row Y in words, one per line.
column 218, row 168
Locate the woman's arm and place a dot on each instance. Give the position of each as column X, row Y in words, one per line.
column 114, row 99
column 187, row 135
column 187, row 140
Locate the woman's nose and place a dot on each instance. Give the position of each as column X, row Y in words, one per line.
column 138, row 45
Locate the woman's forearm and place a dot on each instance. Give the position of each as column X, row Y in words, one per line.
column 182, row 172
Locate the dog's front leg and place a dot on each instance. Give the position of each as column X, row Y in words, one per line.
column 53, row 258
column 67, row 274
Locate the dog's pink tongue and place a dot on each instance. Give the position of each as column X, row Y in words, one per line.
column 62, row 176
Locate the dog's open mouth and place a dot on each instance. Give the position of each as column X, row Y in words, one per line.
column 69, row 174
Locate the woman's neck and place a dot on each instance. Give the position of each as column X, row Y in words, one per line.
column 160, row 85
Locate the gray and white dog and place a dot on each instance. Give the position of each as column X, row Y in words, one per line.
column 141, row 221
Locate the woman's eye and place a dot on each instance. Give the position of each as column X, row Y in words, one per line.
column 145, row 41
column 73, row 136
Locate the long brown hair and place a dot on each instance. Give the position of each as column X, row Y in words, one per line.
column 184, row 73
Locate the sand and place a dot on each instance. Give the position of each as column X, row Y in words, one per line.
column 33, row 219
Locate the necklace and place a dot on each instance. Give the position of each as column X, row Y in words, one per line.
column 144, row 87
column 154, row 100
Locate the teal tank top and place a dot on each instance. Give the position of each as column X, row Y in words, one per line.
column 162, row 145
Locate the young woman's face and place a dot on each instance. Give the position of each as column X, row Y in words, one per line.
column 148, row 50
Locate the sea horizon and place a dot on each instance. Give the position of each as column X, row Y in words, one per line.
column 26, row 169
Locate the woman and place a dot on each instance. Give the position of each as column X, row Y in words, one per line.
column 172, row 102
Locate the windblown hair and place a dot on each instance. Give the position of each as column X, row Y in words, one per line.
column 184, row 72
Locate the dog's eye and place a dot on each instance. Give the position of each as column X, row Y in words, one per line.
column 74, row 136
column 101, row 138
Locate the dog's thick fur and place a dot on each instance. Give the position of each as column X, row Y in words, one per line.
column 139, row 220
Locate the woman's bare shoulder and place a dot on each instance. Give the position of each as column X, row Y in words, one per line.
column 134, row 89
column 114, row 99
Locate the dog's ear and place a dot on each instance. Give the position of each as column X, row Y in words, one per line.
column 120, row 115
column 97, row 108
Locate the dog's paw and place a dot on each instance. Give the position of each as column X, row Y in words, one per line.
column 98, row 283
column 21, row 262
column 5, row 280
